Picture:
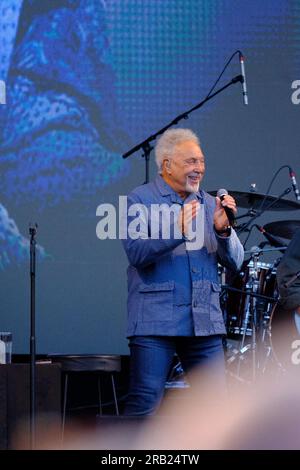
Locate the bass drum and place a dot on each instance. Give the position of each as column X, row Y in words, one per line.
column 285, row 339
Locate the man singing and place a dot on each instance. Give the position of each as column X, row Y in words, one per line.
column 173, row 289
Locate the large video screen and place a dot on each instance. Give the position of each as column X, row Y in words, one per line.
column 85, row 81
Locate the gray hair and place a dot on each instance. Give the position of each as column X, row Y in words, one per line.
column 167, row 142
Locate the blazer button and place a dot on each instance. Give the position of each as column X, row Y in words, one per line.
column 194, row 270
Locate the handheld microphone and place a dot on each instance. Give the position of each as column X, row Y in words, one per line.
column 229, row 212
column 294, row 184
column 244, row 83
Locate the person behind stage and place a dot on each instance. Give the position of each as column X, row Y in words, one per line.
column 173, row 288
column 286, row 318
column 288, row 282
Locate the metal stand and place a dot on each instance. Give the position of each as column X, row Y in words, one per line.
column 32, row 233
column 145, row 145
column 255, row 318
column 147, row 151
column 250, row 318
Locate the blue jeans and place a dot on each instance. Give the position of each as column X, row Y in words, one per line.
column 151, row 361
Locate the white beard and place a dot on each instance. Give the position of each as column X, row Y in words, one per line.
column 191, row 188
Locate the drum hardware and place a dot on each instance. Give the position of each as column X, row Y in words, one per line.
column 251, row 313
column 176, row 377
column 272, row 204
column 268, row 250
column 272, row 240
column 240, row 288
column 248, row 292
column 250, row 299
column 283, row 228
column 237, row 353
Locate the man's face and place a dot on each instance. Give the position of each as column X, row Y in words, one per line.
column 186, row 168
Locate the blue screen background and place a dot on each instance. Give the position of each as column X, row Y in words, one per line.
column 86, row 80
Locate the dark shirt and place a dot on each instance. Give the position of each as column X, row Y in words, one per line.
column 288, row 267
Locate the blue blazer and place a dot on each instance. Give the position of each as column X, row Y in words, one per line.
column 173, row 291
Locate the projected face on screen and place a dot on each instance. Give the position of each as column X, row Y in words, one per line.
column 61, row 133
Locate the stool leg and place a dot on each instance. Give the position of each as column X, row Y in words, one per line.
column 99, row 395
column 64, row 406
column 115, row 395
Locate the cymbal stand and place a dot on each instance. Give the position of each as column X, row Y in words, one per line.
column 250, row 316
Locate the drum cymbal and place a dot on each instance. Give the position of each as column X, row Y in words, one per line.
column 252, row 200
column 283, row 228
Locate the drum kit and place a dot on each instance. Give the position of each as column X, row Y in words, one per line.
column 249, row 299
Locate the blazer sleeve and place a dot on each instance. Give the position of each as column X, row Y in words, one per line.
column 230, row 251
column 145, row 250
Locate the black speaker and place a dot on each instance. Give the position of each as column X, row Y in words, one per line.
column 15, row 403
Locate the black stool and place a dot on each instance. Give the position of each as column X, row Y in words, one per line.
column 88, row 363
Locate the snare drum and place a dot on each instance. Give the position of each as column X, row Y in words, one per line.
column 258, row 279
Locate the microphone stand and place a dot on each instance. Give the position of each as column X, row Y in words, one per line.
column 145, row 145
column 32, row 233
